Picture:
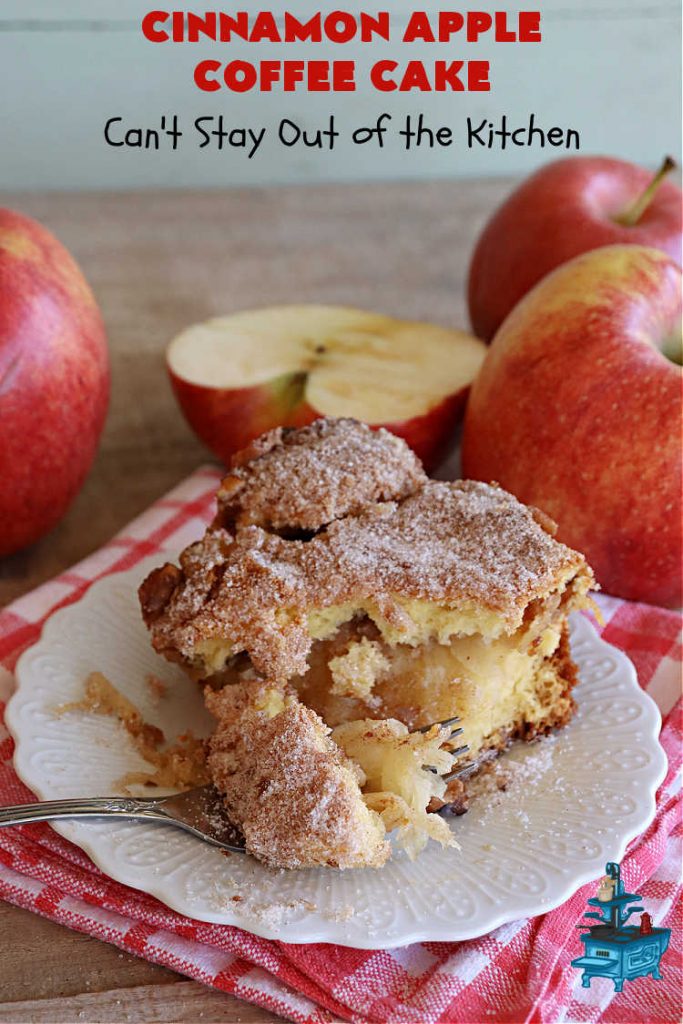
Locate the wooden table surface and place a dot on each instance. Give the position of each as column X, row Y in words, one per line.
column 159, row 261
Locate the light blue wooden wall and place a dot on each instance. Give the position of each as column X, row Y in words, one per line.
column 609, row 68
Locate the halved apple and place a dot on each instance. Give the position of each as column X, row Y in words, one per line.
column 239, row 375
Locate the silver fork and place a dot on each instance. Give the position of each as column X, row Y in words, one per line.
column 200, row 811
column 463, row 769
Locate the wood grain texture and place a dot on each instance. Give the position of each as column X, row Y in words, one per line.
column 185, row 1001
column 157, row 262
column 50, row 974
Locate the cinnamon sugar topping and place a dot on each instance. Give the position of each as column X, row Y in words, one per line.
column 304, row 479
column 464, row 546
column 294, row 794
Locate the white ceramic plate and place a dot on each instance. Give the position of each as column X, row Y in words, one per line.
column 575, row 800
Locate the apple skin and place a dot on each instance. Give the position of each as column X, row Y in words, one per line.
column 54, row 380
column 431, row 435
column 577, row 412
column 565, row 208
column 227, row 420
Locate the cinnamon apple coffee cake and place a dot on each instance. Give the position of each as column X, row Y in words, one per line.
column 339, row 602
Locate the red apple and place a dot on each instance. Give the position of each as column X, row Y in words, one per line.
column 285, row 366
column 578, row 411
column 566, row 208
column 54, row 380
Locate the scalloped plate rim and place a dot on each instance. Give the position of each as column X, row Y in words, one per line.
column 328, row 930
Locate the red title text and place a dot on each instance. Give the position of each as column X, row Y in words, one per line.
column 339, row 27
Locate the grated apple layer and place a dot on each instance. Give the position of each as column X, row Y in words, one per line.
column 492, row 686
column 348, row 729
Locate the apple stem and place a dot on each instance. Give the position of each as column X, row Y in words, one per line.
column 632, row 215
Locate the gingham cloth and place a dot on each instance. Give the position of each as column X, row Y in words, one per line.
column 520, row 972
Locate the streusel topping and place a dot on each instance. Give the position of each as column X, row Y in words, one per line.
column 457, row 545
column 291, row 790
column 303, row 479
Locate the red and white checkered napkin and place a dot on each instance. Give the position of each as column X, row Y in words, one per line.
column 520, row 972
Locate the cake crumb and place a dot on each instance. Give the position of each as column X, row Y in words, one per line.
column 341, row 914
column 157, row 687
column 178, row 765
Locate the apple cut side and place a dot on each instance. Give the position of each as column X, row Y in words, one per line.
column 237, row 376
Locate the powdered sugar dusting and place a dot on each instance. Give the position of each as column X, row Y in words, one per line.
column 501, row 781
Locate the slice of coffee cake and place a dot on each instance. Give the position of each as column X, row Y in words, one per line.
column 336, row 571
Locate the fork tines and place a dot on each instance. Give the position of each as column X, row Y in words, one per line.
column 444, row 725
column 463, row 769
column 457, row 773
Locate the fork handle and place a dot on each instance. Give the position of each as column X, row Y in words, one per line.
column 90, row 807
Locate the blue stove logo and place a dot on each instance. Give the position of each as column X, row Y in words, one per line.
column 613, row 949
